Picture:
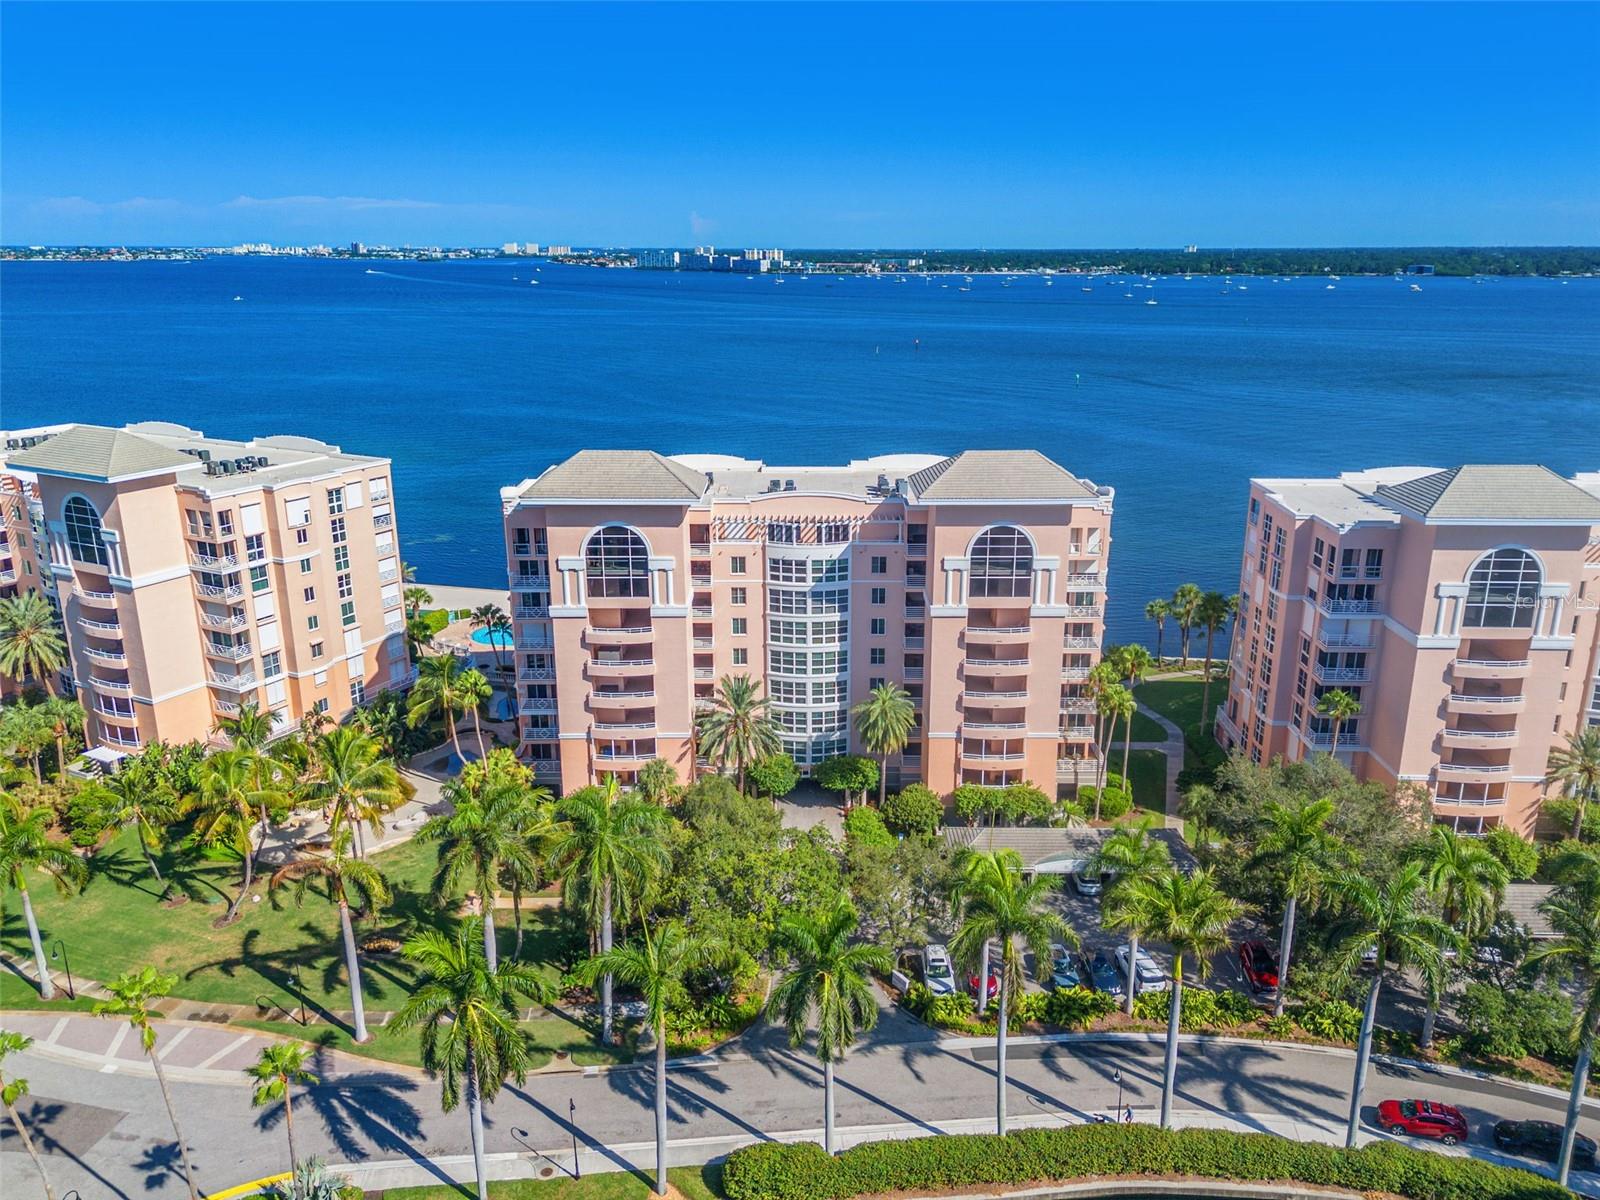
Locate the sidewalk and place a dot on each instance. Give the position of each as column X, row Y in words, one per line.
column 1173, row 749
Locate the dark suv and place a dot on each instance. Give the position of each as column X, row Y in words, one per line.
column 1542, row 1139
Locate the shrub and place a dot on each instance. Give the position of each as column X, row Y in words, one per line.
column 848, row 773
column 1076, row 1008
column 1280, row 1027
column 917, row 1000
column 1023, row 802
column 953, row 1010
column 775, row 775
column 1027, row 1009
column 865, row 826
column 1202, row 1008
column 86, row 817
column 779, row 1171
column 915, row 811
column 1114, row 803
column 973, row 801
column 1331, row 1019
column 1511, row 1024
column 1520, row 856
column 1557, row 812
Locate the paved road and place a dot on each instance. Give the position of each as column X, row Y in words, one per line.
column 108, row 1136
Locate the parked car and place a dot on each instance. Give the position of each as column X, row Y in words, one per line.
column 1087, row 883
column 1147, row 977
column 1064, row 969
column 1105, row 977
column 1260, row 966
column 1542, row 1139
column 937, row 972
column 994, row 985
column 1423, row 1118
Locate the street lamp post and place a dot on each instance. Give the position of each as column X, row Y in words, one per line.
column 300, row 991
column 59, row 950
column 1117, row 1075
column 572, row 1124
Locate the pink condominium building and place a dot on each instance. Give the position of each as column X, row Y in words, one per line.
column 194, row 574
column 1459, row 607
column 976, row 581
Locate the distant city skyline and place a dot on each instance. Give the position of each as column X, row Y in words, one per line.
column 864, row 126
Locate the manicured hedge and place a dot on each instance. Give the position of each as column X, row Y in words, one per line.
column 775, row 1171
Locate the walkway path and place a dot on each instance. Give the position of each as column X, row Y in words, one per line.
column 1172, row 747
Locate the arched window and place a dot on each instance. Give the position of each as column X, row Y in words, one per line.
column 1001, row 563
column 617, row 563
column 1503, row 591
column 83, row 532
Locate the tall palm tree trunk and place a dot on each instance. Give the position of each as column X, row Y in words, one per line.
column 1363, row 1056
column 1333, row 748
column 352, row 967
column 450, row 724
column 47, row 987
column 149, row 858
column 249, row 878
column 1580, row 1081
column 1205, row 689
column 1169, row 1070
column 38, row 775
column 1127, row 744
column 491, row 946
column 1160, row 629
column 1131, row 983
column 475, row 1122
column 827, row 1104
column 477, row 730
column 883, row 776
column 33, row 1153
column 177, row 1131
column 1285, row 948
column 605, row 948
column 288, row 1128
column 61, row 751
column 1429, row 1019
column 661, row 1107
column 516, row 918
column 999, row 1050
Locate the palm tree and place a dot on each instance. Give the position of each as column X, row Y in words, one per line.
column 26, row 728
column 1158, row 611
column 26, row 845
column 131, row 996
column 1211, row 613
column 1576, row 767
column 738, row 725
column 353, row 780
column 487, row 835
column 30, row 640
column 994, row 902
column 250, row 728
column 1102, row 677
column 884, row 720
column 66, row 718
column 1573, row 910
column 415, row 598
column 419, row 634
column 1116, row 703
column 1469, row 884
column 475, row 690
column 1298, row 849
column 1185, row 603
column 438, row 690
column 1127, row 855
column 466, row 1012
column 655, row 780
column 345, row 875
column 139, row 799
column 280, row 1069
column 609, row 853
column 1338, row 706
column 14, row 1089
column 657, row 966
column 829, row 983
column 492, row 618
column 1392, row 920
column 231, row 800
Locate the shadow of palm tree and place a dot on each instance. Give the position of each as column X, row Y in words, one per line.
column 362, row 1112
column 41, row 1118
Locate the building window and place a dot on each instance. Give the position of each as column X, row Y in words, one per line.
column 302, row 537
column 358, row 692
column 521, row 542
column 310, row 595
column 337, row 527
column 305, row 566
column 786, row 532
column 736, row 565
column 741, row 626
column 617, row 563
column 316, row 649
column 225, row 522
column 1503, row 590
column 271, row 664
column 258, row 579
column 347, row 612
column 879, row 626
column 255, row 547
column 321, row 705
column 1374, row 564
column 741, row 656
column 313, row 622
column 880, row 564
column 341, row 558
column 84, row 532
column 336, row 500
column 736, row 595
column 876, row 656
column 1001, row 563
column 346, row 586
column 880, row 595
column 1255, row 510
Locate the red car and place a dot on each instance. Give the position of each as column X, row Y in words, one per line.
column 1260, row 966
column 994, row 985
column 1423, row 1118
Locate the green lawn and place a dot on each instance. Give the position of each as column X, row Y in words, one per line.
column 1148, row 769
column 1144, row 730
column 547, row 1036
column 695, row 1183
column 1178, row 700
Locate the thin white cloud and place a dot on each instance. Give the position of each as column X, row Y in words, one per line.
column 347, row 203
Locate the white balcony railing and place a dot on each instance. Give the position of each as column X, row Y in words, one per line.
column 1085, row 579
column 992, row 726
column 702, row 610
column 604, row 698
column 1500, row 664
column 1077, row 704
column 1459, row 698
column 388, row 574
column 244, row 681
column 1084, row 610
column 532, row 612
column 704, row 643
column 105, row 656
column 983, row 697
column 83, row 593
column 103, row 628
column 1350, row 608
column 232, row 652
column 914, row 643
column 212, row 562
column 982, row 756
column 528, row 582
column 622, row 726
column 1340, row 674
column 394, row 624
column 209, row 591
column 1474, row 769
column 117, row 687
column 1074, row 674
column 230, row 621
column 1079, row 643
column 226, row 707
column 1344, row 640
column 532, row 673
column 383, row 520
column 537, row 704
column 1498, row 735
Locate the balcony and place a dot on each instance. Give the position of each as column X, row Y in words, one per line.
column 546, row 768
column 1344, row 640
column 394, row 624
column 533, row 673
column 621, row 699
column 528, row 582
column 916, row 612
column 703, row 643
column 621, row 666
column 1476, row 803
column 390, row 603
column 228, row 651
column 109, row 629
column 1085, row 611
column 703, row 611
column 622, row 726
column 1077, row 704
column 699, row 581
column 231, row 621
column 245, row 681
column 914, row 643
column 1340, row 674
column 916, row 549
column 92, row 597
column 1323, row 740
column 1074, row 674
column 1484, row 704
column 979, row 696
column 122, row 739
column 705, row 703
column 911, row 673
column 997, row 633
column 614, row 634
column 208, row 591
column 993, row 726
column 1490, row 668
column 213, row 562
column 705, row 673
column 632, row 757
column 228, row 708
column 1480, row 739
column 995, row 666
column 531, row 612
column 1088, row 579
column 1079, row 643
column 992, row 756
column 1350, row 608
column 383, row 520
column 114, row 657
column 1077, row 733
column 388, row 574
column 538, row 704
column 116, row 714
column 114, row 687
column 1474, row 772
column 700, row 549
column 530, row 641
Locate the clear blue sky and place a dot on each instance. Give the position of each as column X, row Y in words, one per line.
column 834, row 125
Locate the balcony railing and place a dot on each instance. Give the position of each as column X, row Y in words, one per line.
column 622, row 726
column 1077, row 732
column 244, row 681
column 700, row 549
column 208, row 591
column 103, row 628
column 390, row 603
column 1498, row 735
column 1350, row 608
column 114, row 713
column 1077, row 704
column 914, row 643
column 700, row 581
column 1344, row 640
column 531, row 673
column 388, row 574
column 530, row 582
column 211, row 562
column 983, row 756
column 229, row 651
column 231, row 621
column 538, row 704
column 1509, row 664
column 995, row 664
column 604, row 698
column 1460, row 698
column 998, row 631
column 1469, row 801
column 1347, row 740
column 118, row 687
column 704, row 673
column 1474, row 769
column 1074, row 674
column 83, row 593
column 982, row 697
column 1085, row 579
column 105, row 656
column 532, row 612
column 394, row 624
column 1085, row 610
column 992, row 726
column 383, row 520
column 227, row 708
column 702, row 610
column 621, row 664
column 1340, row 674
column 912, row 672
column 704, row 643
column 1079, row 643
column 534, row 642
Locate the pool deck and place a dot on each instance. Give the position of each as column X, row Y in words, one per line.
column 448, row 595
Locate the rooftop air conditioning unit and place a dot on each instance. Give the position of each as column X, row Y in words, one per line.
column 883, row 482
column 788, row 485
column 902, row 487
column 775, row 485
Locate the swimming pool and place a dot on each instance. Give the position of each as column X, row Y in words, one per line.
column 499, row 639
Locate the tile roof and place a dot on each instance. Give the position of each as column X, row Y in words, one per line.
column 618, row 475
column 1522, row 903
column 999, row 475
column 1493, row 492
column 99, row 452
column 1040, row 844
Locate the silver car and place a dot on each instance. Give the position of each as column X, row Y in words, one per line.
column 937, row 971
column 1147, row 976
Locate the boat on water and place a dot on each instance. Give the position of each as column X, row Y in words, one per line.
column 1329, row 288
column 238, row 297
column 370, row 271
column 1151, row 300
column 1244, row 287
column 1127, row 295
column 1416, row 287
column 1088, row 289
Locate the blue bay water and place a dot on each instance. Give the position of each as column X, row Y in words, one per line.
column 472, row 378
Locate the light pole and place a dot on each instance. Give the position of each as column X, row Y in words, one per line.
column 59, row 950
column 1117, row 1075
column 572, row 1124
